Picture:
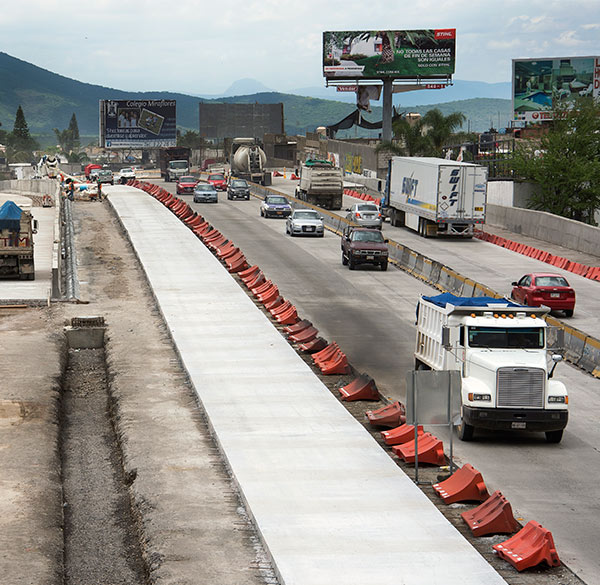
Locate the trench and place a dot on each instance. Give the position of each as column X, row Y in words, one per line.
column 101, row 542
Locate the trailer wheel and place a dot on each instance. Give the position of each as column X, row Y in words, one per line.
column 465, row 431
column 554, row 436
column 344, row 260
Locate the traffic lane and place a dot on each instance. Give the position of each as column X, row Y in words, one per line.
column 491, row 265
column 555, row 485
column 349, row 307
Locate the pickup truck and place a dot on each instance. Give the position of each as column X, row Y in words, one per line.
column 127, row 174
column 364, row 246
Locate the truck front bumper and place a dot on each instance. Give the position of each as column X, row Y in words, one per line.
column 515, row 418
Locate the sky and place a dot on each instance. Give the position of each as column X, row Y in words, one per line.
column 200, row 47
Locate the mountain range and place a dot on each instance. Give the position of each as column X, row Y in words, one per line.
column 49, row 100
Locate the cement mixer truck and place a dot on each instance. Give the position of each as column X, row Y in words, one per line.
column 48, row 166
column 247, row 160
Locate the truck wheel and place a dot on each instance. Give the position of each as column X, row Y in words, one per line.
column 553, row 436
column 465, row 431
column 569, row 313
column 344, row 260
column 351, row 264
column 384, row 266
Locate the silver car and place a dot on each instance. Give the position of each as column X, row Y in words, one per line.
column 365, row 215
column 305, row 222
column 205, row 193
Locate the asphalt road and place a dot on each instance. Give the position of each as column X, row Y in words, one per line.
column 371, row 314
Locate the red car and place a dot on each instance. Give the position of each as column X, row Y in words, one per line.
column 217, row 180
column 551, row 290
column 186, row 184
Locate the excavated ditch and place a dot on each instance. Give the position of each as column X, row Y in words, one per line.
column 101, row 544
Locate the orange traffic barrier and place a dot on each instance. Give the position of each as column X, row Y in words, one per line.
column 304, row 336
column 229, row 252
column 361, row 388
column 258, row 279
column 297, row 327
column 269, row 295
column 389, row 416
column 236, row 263
column 288, row 317
column 430, row 450
column 214, row 243
column 337, row 365
column 402, row 434
column 274, row 304
column 262, row 287
column 465, row 484
column 249, row 272
column 282, row 308
column 531, row 546
column 494, row 516
column 225, row 249
column 313, row 346
column 294, row 177
column 326, row 353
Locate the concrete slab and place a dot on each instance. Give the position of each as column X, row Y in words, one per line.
column 303, row 464
column 37, row 290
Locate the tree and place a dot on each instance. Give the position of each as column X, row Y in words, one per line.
column 68, row 139
column 20, row 142
column 190, row 139
column 440, row 127
column 565, row 163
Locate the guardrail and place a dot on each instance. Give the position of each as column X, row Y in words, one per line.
column 581, row 349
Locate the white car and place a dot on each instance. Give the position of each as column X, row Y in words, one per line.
column 126, row 174
column 305, row 222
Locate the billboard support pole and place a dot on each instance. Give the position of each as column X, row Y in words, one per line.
column 386, row 128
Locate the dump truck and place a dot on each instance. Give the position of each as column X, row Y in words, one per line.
column 247, row 160
column 436, row 196
column 17, row 227
column 501, row 350
column 174, row 162
column 321, row 184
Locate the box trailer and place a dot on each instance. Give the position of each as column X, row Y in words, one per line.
column 435, row 196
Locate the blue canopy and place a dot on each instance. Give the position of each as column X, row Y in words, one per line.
column 10, row 216
column 445, row 298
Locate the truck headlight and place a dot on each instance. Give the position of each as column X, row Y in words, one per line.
column 561, row 399
column 483, row 397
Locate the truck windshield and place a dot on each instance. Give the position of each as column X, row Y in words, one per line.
column 509, row 337
column 178, row 164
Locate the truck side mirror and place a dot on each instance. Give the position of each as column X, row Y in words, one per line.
column 514, row 284
column 446, row 338
column 556, row 358
column 35, row 226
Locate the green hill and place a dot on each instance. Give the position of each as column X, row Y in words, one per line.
column 49, row 100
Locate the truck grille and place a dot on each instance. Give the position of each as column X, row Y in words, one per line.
column 521, row 387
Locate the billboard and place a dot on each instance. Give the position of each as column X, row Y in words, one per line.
column 394, row 54
column 541, row 84
column 137, row 123
column 240, row 120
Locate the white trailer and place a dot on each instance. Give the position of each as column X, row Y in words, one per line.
column 501, row 350
column 436, row 196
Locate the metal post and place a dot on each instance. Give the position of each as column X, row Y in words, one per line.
column 386, row 128
column 416, row 423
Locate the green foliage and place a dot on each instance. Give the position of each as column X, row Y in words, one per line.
column 68, row 139
column 190, row 139
column 441, row 127
column 565, row 163
column 20, row 144
column 20, row 129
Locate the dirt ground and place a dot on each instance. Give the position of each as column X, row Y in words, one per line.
column 185, row 509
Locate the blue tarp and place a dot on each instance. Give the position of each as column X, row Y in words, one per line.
column 10, row 216
column 445, row 298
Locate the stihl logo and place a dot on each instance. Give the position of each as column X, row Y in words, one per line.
column 445, row 33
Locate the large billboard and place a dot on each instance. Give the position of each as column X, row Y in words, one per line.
column 218, row 121
column 138, row 123
column 539, row 85
column 395, row 54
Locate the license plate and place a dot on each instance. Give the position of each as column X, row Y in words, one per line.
column 310, row 228
column 280, row 213
column 555, row 295
column 519, row 425
column 370, row 257
column 479, row 209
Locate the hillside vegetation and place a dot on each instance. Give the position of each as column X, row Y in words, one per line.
column 49, row 100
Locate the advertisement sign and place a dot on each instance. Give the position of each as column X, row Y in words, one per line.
column 395, row 54
column 138, row 123
column 539, row 85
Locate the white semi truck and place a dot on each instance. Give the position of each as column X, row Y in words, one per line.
column 436, row 196
column 501, row 350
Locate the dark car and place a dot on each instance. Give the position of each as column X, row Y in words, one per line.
column 551, row 290
column 205, row 193
column 186, row 184
column 217, row 180
column 364, row 246
column 238, row 189
column 275, row 206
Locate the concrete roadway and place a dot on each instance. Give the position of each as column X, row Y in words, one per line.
column 371, row 314
column 471, row 258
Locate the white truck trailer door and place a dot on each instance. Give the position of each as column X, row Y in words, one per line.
column 463, row 190
column 450, row 192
